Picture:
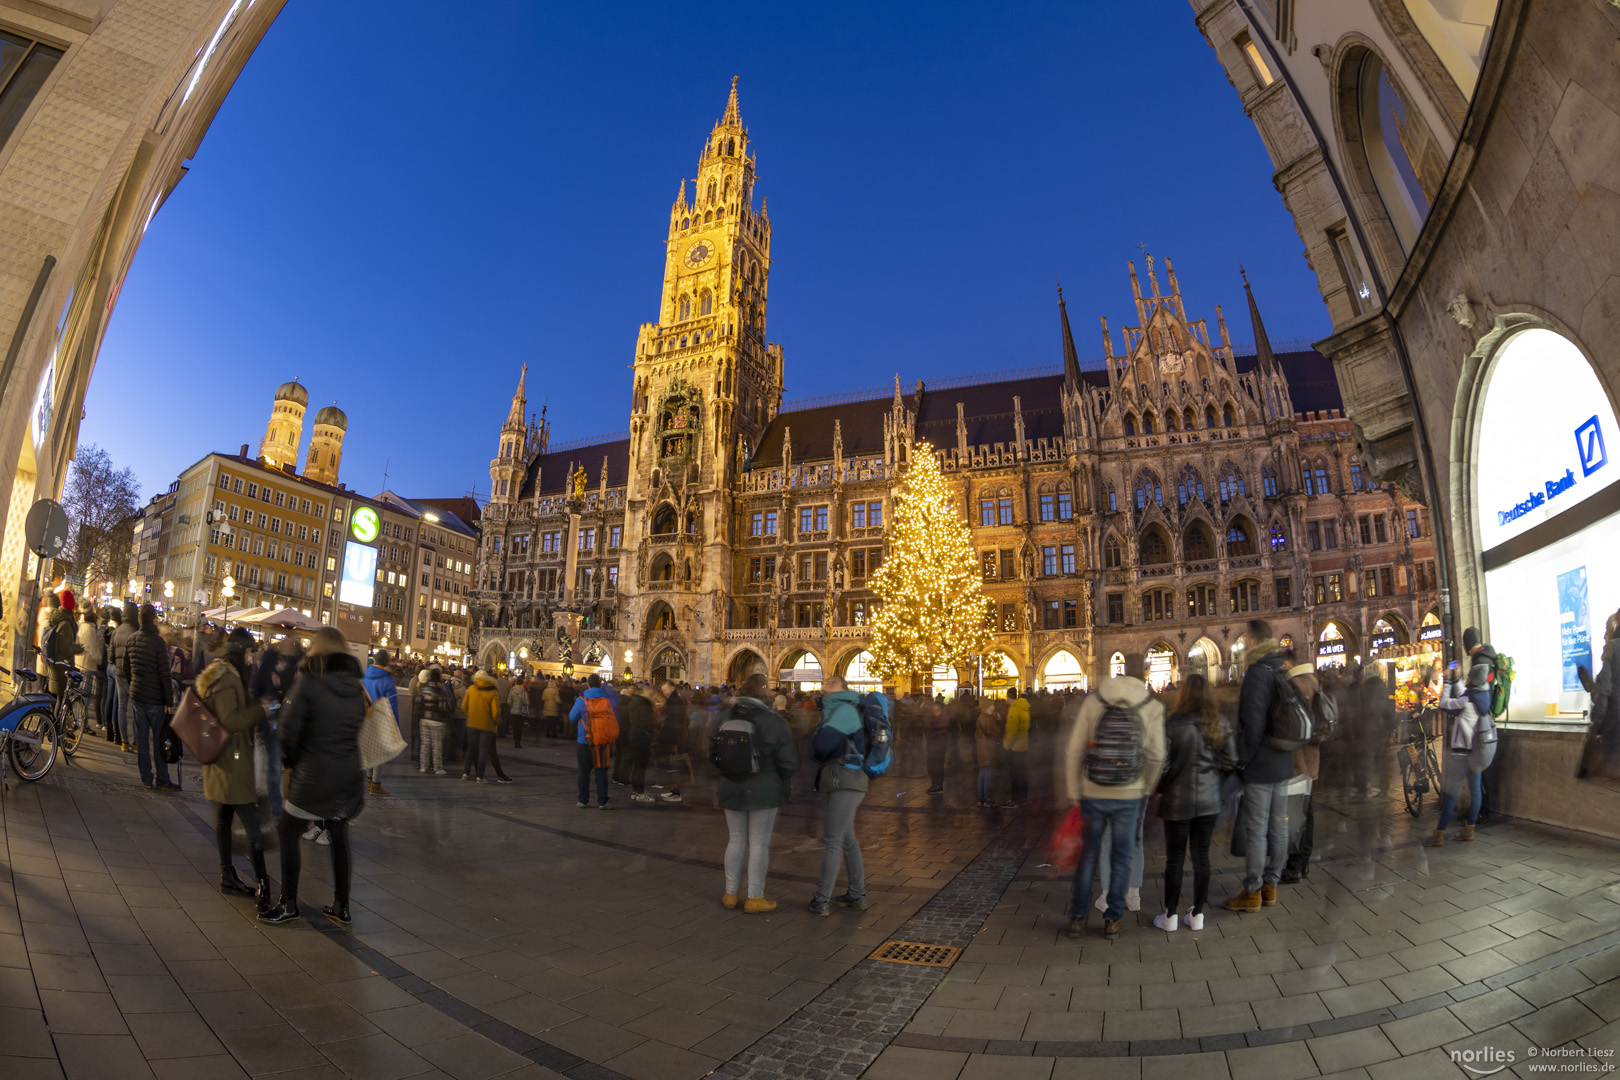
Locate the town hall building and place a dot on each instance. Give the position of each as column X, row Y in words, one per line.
column 1152, row 502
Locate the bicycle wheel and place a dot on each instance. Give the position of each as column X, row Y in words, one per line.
column 75, row 722
column 1433, row 765
column 1415, row 784
column 33, row 744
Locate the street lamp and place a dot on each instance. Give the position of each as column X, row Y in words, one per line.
column 168, row 590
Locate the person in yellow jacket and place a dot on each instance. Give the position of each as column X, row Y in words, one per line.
column 1015, row 742
column 482, row 705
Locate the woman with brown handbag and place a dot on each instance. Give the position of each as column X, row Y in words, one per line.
column 228, row 781
column 320, row 743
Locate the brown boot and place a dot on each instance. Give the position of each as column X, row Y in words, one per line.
column 1466, row 834
column 1244, row 901
column 1436, row 839
column 1112, row 927
column 1268, row 896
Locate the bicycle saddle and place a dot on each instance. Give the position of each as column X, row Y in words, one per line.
column 25, row 674
column 75, row 675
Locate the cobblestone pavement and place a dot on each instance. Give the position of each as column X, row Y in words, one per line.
column 499, row 931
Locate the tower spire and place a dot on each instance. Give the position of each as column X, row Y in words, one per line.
column 1264, row 358
column 731, row 116
column 514, row 418
column 1071, row 361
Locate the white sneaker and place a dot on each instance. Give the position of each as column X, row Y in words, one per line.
column 1133, row 899
column 1195, row 923
column 312, row 832
column 1102, row 903
column 325, row 839
column 640, row 797
column 670, row 796
column 1166, row 922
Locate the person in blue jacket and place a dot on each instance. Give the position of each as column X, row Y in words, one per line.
column 593, row 760
column 379, row 683
column 843, row 785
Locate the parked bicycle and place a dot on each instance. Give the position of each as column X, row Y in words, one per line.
column 1420, row 769
column 72, row 710
column 28, row 729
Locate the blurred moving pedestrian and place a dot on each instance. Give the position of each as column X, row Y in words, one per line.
column 432, row 704
column 937, row 733
column 987, row 749
column 482, row 706
column 229, row 782
column 380, row 685
column 1015, row 742
column 320, row 729
column 839, row 747
column 273, row 678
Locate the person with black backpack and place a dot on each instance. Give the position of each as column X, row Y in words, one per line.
column 1481, row 691
column 1115, row 755
column 1269, row 721
column 753, row 748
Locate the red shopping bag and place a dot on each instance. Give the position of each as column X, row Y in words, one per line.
column 1066, row 842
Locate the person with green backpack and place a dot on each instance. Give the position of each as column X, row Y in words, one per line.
column 1489, row 684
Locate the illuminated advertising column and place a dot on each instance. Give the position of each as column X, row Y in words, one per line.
column 357, row 581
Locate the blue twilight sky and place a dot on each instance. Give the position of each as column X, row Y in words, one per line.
column 401, row 210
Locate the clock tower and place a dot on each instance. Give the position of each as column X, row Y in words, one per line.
column 706, row 385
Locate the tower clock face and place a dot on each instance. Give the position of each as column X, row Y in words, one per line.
column 698, row 253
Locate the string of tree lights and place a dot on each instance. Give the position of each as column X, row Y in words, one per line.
column 932, row 610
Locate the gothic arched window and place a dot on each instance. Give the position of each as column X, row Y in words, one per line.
column 708, row 302
column 684, row 311
column 731, row 147
column 1154, row 549
column 1109, row 500
column 1148, row 490
column 1187, row 421
column 1190, row 485
column 1170, row 420
column 1111, row 553
column 1239, row 540
column 1196, row 543
column 1130, row 425
column 1231, row 482
column 1268, row 480
column 1209, row 415
column 711, row 191
column 1147, row 423
column 1226, row 417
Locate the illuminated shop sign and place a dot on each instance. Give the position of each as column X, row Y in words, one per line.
column 1544, row 429
column 1330, row 648
column 1431, row 633
column 1383, row 641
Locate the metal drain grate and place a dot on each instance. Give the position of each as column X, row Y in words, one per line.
column 917, row 952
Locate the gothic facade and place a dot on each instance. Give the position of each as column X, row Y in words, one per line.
column 1151, row 503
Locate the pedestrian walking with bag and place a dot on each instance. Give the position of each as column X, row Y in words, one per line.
column 228, row 781
column 596, row 728
column 1114, row 758
column 380, row 686
column 1470, row 741
column 753, row 748
column 320, row 744
column 1198, row 749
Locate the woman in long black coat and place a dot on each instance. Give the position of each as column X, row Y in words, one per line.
column 320, row 744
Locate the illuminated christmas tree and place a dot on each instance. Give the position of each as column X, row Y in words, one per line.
column 932, row 609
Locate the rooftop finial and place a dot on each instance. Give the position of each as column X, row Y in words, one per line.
column 731, row 105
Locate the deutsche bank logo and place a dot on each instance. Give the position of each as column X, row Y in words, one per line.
column 1589, row 441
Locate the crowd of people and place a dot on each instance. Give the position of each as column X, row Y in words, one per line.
column 1189, row 755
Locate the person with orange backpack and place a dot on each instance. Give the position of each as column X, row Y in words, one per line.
column 596, row 725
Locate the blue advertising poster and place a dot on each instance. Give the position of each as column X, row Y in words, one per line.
column 1574, row 626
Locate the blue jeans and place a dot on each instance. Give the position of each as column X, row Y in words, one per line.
column 1265, row 834
column 588, row 769
column 1119, row 817
column 148, row 726
column 123, row 712
column 1457, row 773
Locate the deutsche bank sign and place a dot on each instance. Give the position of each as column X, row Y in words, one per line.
column 1589, row 444
column 1544, row 432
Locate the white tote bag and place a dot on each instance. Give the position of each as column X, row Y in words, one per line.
column 380, row 741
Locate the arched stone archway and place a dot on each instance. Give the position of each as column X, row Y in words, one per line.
column 1163, row 665
column 667, row 663
column 742, row 664
column 1337, row 644
column 800, row 669
column 1061, row 670
column 1204, row 658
